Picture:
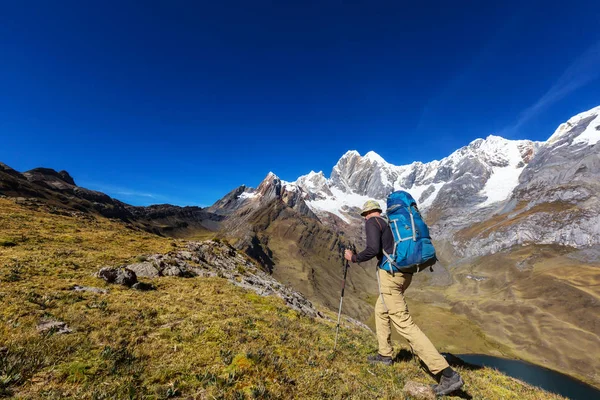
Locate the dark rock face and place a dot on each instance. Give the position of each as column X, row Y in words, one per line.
column 8, row 170
column 119, row 276
column 232, row 201
column 50, row 178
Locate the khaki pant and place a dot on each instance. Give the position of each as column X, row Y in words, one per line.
column 395, row 312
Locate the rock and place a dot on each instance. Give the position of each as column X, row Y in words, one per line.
column 174, row 270
column 418, row 390
column 121, row 276
column 78, row 288
column 186, row 255
column 143, row 286
column 48, row 326
column 144, row 270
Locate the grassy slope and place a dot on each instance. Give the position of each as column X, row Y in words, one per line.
column 308, row 259
column 195, row 338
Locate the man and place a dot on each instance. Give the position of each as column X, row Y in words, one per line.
column 391, row 308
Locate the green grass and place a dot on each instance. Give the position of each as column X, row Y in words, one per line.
column 191, row 338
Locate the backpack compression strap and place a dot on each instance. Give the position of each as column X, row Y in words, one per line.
column 391, row 259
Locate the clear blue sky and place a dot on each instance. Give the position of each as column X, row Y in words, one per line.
column 180, row 102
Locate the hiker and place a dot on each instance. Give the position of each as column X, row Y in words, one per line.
column 391, row 309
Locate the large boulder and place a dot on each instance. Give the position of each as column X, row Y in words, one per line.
column 144, row 270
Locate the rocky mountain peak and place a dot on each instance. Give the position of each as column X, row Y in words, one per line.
column 350, row 154
column 374, row 158
column 270, row 187
column 65, row 176
column 50, row 178
column 314, row 183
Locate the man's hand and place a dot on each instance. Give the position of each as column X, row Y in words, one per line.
column 348, row 255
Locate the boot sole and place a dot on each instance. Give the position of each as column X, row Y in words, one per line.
column 452, row 388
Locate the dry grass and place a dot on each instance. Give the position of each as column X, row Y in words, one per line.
column 192, row 338
column 544, row 312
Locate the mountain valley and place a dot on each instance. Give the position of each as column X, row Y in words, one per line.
column 516, row 225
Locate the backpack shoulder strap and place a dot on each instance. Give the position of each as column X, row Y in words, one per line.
column 381, row 228
column 379, row 223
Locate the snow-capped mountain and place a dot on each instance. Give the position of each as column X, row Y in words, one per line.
column 482, row 173
column 474, row 183
column 556, row 200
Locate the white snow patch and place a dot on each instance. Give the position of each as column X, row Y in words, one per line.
column 289, row 186
column 351, row 153
column 247, row 195
column 591, row 135
column 313, row 181
column 499, row 149
column 374, row 157
column 500, row 184
column 334, row 204
column 417, row 191
column 383, row 174
column 330, row 204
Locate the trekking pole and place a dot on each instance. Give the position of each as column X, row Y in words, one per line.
column 337, row 329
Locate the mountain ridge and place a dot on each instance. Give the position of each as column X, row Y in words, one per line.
column 58, row 192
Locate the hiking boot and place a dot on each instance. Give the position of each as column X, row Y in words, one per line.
column 448, row 385
column 385, row 360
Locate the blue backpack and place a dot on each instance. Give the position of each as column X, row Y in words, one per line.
column 412, row 244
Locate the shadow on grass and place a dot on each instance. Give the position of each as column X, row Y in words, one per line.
column 457, row 362
column 461, row 393
column 403, row 356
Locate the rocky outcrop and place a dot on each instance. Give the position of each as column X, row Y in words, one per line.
column 49, row 326
column 213, row 259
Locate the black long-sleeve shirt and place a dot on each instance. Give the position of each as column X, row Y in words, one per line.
column 379, row 237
